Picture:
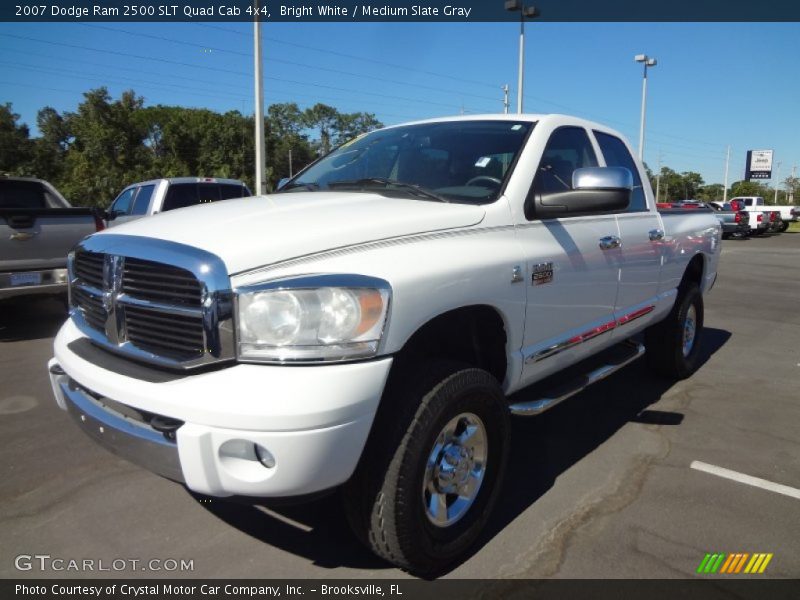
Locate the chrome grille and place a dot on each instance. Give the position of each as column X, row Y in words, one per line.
column 92, row 308
column 169, row 314
column 177, row 336
column 157, row 282
column 89, row 268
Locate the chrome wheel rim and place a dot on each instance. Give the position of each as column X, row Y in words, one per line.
column 689, row 330
column 455, row 470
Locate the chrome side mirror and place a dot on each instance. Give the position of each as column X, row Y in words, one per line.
column 602, row 178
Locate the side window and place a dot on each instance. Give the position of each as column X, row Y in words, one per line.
column 122, row 205
column 142, row 201
column 617, row 155
column 180, row 195
column 567, row 149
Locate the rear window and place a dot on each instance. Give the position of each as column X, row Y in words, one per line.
column 181, row 195
column 22, row 194
column 227, row 191
column 617, row 155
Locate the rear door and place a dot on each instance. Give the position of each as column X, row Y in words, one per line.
column 641, row 234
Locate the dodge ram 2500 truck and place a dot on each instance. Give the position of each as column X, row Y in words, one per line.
column 365, row 328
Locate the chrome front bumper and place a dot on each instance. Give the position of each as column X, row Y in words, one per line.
column 132, row 440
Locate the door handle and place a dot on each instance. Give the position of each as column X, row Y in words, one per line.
column 609, row 242
column 656, row 235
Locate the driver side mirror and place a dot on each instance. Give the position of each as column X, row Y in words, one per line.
column 594, row 190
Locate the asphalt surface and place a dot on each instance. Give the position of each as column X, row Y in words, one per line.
column 600, row 486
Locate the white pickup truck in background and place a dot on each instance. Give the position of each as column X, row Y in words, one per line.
column 788, row 214
column 365, row 328
column 160, row 195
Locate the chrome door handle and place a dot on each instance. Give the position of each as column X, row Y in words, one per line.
column 656, row 234
column 609, row 242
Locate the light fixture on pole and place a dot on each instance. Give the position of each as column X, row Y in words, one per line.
column 524, row 12
column 647, row 62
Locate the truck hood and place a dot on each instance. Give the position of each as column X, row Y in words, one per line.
column 261, row 230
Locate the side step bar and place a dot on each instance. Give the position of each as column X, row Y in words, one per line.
column 630, row 352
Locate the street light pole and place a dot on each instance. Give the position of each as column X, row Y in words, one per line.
column 647, row 62
column 261, row 158
column 777, row 181
column 529, row 12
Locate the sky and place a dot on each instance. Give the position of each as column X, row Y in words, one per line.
column 715, row 84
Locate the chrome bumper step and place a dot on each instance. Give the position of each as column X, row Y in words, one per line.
column 616, row 357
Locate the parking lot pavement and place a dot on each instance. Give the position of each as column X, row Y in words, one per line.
column 600, row 486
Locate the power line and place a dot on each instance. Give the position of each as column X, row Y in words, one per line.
column 96, row 77
column 355, row 57
column 289, row 62
column 167, row 61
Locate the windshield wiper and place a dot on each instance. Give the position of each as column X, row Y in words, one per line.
column 418, row 190
column 297, row 185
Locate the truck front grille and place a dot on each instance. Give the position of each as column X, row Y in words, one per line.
column 164, row 334
column 150, row 310
column 92, row 308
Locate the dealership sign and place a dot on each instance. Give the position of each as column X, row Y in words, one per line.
column 759, row 165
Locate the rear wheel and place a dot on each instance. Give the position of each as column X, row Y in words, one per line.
column 421, row 495
column 783, row 226
column 673, row 345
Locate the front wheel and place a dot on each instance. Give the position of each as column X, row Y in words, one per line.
column 673, row 345
column 421, row 503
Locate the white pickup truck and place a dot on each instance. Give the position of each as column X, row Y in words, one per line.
column 160, row 195
column 364, row 328
column 789, row 214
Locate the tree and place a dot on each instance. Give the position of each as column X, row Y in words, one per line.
column 324, row 119
column 107, row 150
column 354, row 124
column 49, row 150
column 792, row 185
column 749, row 188
column 15, row 144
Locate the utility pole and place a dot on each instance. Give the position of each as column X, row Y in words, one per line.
column 727, row 161
column 777, row 182
column 261, row 154
column 290, row 164
column 791, row 191
column 505, row 99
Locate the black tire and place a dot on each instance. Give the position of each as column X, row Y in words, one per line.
column 783, row 226
column 664, row 341
column 385, row 498
column 725, row 236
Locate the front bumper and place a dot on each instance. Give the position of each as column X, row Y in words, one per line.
column 313, row 421
column 50, row 281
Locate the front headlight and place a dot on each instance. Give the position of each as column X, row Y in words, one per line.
column 312, row 318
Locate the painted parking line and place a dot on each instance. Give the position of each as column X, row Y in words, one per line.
column 746, row 479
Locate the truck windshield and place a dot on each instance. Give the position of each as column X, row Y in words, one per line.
column 455, row 161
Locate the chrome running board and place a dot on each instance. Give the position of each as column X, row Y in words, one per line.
column 528, row 408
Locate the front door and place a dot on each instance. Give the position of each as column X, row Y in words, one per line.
column 572, row 281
